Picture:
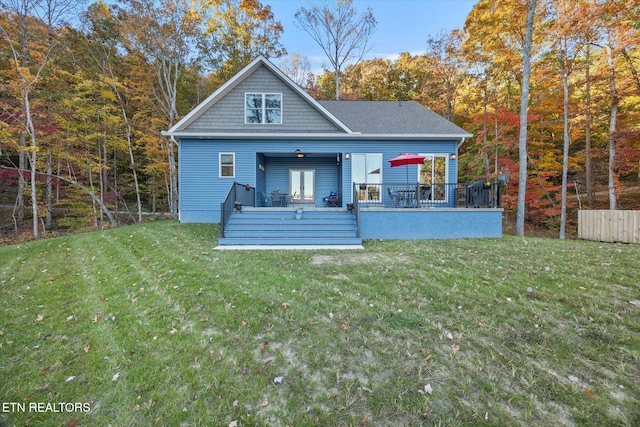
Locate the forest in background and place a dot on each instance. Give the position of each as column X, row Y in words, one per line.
column 86, row 90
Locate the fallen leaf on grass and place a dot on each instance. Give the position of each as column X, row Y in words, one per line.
column 96, row 318
column 589, row 392
column 427, row 389
column 73, row 422
column 173, row 331
column 449, row 335
column 115, row 377
column 87, row 347
column 71, row 378
column 345, row 326
column 455, row 347
column 45, row 370
column 364, row 419
column 69, row 319
column 264, row 345
column 268, row 359
column 285, row 305
column 40, row 318
column 136, row 408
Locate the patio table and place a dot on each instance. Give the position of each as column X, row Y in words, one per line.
column 409, row 198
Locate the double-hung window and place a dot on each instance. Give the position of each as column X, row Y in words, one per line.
column 263, row 108
column 227, row 165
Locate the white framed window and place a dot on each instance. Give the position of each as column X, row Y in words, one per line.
column 263, row 108
column 227, row 162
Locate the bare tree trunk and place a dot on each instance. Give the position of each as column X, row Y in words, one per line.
column 133, row 168
column 32, row 158
column 566, row 143
column 634, row 71
column 91, row 186
column 524, row 107
column 612, row 129
column 587, row 130
column 49, row 196
column 102, row 155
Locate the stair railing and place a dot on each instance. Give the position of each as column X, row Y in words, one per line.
column 239, row 195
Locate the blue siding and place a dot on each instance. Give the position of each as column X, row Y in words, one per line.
column 437, row 223
column 202, row 190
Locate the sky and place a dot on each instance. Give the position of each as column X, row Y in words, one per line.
column 403, row 26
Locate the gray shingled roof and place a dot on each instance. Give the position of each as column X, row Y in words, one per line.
column 391, row 118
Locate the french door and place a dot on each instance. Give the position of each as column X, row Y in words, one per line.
column 366, row 171
column 433, row 172
column 302, row 185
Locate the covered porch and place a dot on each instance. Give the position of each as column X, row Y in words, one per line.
column 298, row 178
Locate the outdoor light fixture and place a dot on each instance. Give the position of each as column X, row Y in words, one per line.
column 453, row 156
column 299, row 154
column 347, row 156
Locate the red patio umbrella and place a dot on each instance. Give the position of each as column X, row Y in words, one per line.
column 407, row 159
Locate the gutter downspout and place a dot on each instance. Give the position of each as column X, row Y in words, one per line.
column 175, row 141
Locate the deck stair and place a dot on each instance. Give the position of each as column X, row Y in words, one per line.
column 278, row 226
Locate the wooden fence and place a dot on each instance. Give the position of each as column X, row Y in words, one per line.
column 609, row 226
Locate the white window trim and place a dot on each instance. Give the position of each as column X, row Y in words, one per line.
column 220, row 165
column 264, row 107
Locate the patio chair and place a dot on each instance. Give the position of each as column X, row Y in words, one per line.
column 278, row 198
column 425, row 193
column 333, row 200
column 396, row 196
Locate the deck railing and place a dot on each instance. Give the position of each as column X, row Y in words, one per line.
column 420, row 195
column 239, row 195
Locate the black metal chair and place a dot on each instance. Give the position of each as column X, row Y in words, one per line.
column 278, row 198
column 425, row 193
column 396, row 196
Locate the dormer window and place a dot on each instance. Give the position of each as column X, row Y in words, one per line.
column 263, row 108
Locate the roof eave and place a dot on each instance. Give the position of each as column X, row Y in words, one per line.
column 315, row 136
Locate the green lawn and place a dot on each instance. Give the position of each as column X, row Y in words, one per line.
column 149, row 325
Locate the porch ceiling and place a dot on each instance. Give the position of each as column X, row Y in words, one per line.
column 294, row 154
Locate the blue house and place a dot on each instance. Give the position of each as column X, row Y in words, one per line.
column 260, row 147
